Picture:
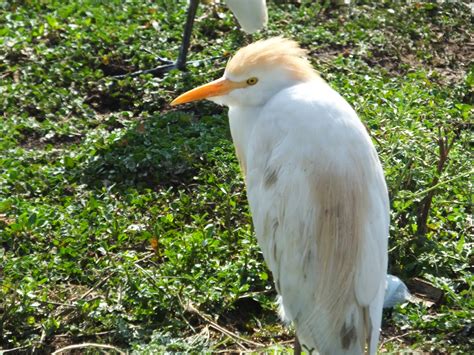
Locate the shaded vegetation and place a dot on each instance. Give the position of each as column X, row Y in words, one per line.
column 125, row 222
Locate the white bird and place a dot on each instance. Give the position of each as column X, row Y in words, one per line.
column 316, row 191
column 251, row 14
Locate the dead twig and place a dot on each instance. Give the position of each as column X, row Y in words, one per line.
column 65, row 305
column 238, row 339
column 444, row 146
column 13, row 349
column 107, row 332
column 182, row 315
column 6, row 74
column 89, row 345
column 372, row 135
column 161, row 69
column 397, row 337
column 157, row 57
column 67, row 309
column 147, row 256
column 99, row 283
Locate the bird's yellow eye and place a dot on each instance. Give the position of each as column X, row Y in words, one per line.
column 252, row 81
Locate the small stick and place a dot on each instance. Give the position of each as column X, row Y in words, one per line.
column 397, row 337
column 147, row 256
column 89, row 345
column 157, row 70
column 216, row 326
column 158, row 58
column 13, row 349
column 86, row 335
column 100, row 282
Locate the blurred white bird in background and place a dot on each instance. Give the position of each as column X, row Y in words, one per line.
column 396, row 292
column 316, row 191
column 251, row 15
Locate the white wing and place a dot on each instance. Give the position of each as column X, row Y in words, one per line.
column 320, row 209
column 251, row 14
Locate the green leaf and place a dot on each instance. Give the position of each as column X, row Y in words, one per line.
column 460, row 243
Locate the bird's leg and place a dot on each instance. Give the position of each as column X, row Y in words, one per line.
column 168, row 65
column 188, row 27
column 296, row 347
column 180, row 63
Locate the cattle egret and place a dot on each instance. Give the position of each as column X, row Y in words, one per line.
column 316, row 191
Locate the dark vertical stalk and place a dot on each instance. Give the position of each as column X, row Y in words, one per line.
column 188, row 28
column 444, row 146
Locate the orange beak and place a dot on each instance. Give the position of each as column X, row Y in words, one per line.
column 217, row 87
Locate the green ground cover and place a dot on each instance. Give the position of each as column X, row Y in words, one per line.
column 125, row 222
